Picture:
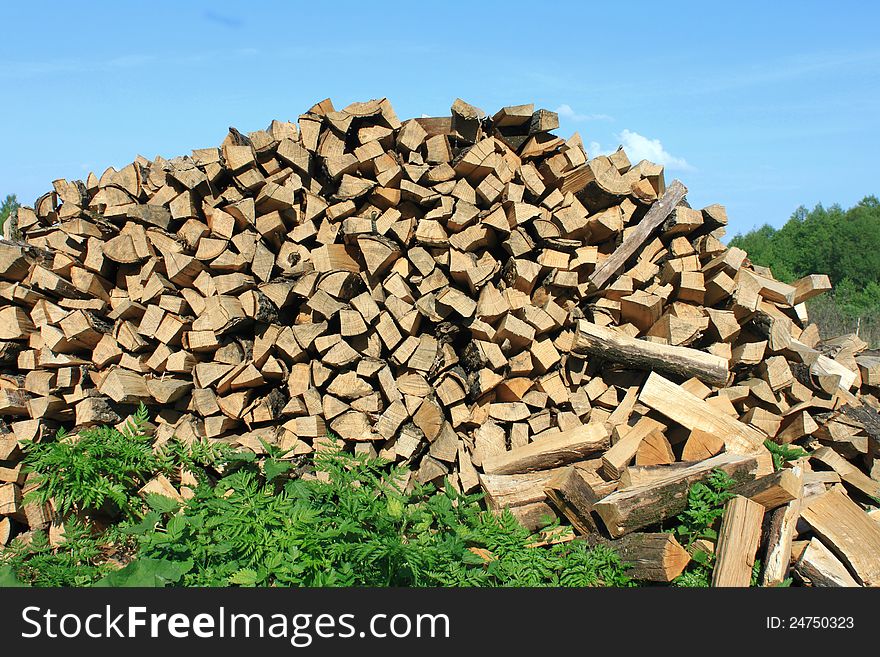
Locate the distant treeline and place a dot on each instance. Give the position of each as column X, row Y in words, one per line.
column 845, row 244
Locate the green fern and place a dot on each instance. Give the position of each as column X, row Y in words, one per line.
column 705, row 507
column 77, row 561
column 259, row 524
column 100, row 469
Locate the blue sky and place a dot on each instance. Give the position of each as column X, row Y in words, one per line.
column 759, row 106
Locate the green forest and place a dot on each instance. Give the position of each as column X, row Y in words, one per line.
column 845, row 244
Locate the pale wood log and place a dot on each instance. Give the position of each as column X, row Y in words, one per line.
column 693, row 413
column 848, row 531
column 780, row 533
column 625, row 449
column 655, row 450
column 809, row 287
column 737, row 544
column 849, row 474
column 818, row 566
column 503, row 491
column 701, row 445
column 561, row 449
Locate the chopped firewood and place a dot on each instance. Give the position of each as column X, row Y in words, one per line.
column 693, row 413
column 773, row 490
column 654, row 557
column 627, row 446
column 780, row 533
column 560, row 449
column 849, row 474
column 655, row 450
column 818, row 566
column 574, row 498
column 738, row 541
column 469, row 296
column 848, row 531
column 701, row 445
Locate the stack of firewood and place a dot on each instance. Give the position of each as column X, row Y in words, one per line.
column 472, row 296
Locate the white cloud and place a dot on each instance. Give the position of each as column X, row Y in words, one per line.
column 595, row 148
column 638, row 147
column 567, row 112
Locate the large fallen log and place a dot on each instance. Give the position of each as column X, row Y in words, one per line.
column 628, row 509
column 620, row 348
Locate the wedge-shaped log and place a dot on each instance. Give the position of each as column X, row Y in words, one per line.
column 692, row 412
column 772, row 490
column 818, row 566
column 640, row 354
column 849, row 532
column 650, row 557
column 574, row 498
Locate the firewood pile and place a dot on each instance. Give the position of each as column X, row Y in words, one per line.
column 470, row 295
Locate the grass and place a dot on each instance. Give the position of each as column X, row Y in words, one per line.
column 835, row 319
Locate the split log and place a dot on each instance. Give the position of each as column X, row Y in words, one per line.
column 818, row 566
column 561, row 449
column 693, row 413
column 849, row 474
column 848, row 531
column 738, row 541
column 780, row 533
column 649, row 557
column 574, row 498
column 773, row 490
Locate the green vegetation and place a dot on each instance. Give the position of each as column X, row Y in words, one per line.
column 782, row 454
column 10, row 204
column 261, row 522
column 699, row 522
column 845, row 244
column 102, row 468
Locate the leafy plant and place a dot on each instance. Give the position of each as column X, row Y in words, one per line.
column 79, row 559
column 356, row 528
column 98, row 469
column 705, row 507
column 101, row 469
column 350, row 522
column 783, row 453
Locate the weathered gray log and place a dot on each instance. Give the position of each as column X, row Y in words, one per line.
column 650, row 222
column 620, row 348
column 629, row 509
